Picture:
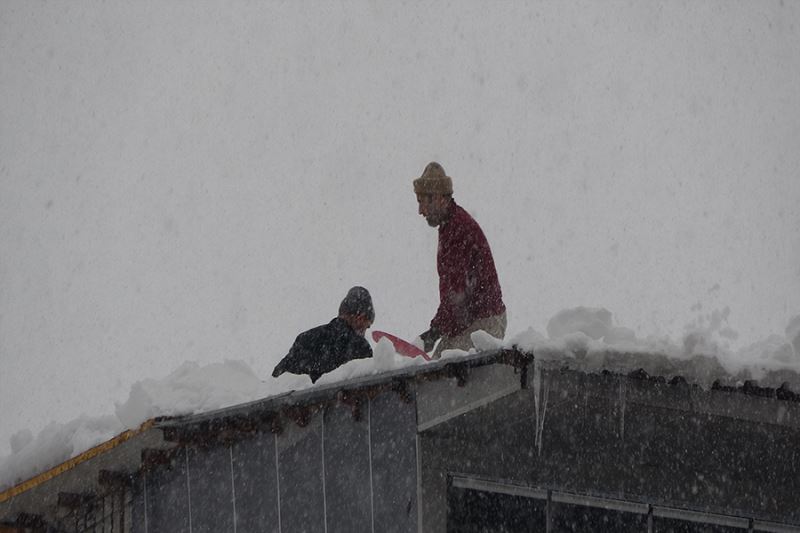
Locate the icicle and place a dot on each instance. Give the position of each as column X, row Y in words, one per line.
column 622, row 396
column 537, row 386
column 540, row 396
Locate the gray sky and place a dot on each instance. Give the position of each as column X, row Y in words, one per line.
column 204, row 180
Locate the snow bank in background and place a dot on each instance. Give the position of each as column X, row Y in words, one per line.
column 582, row 337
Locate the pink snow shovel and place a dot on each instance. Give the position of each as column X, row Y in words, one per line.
column 400, row 346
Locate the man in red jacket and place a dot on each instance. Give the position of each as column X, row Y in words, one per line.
column 470, row 298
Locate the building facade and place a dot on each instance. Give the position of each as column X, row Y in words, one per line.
column 487, row 442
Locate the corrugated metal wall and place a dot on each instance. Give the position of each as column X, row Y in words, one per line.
column 336, row 474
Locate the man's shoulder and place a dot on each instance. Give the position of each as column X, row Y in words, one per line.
column 461, row 216
column 463, row 224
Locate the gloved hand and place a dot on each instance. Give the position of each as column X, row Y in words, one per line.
column 429, row 339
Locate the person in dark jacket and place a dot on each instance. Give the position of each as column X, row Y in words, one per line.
column 319, row 350
column 470, row 298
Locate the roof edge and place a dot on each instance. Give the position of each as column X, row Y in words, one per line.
column 75, row 461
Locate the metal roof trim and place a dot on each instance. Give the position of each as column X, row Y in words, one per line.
column 75, row 461
column 329, row 390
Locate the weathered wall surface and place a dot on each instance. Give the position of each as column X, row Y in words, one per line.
column 635, row 440
column 338, row 473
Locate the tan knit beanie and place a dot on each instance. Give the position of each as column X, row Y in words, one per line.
column 433, row 181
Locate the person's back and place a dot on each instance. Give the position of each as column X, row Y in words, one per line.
column 324, row 348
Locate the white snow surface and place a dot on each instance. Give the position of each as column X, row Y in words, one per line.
column 190, row 388
column 184, row 187
column 586, row 339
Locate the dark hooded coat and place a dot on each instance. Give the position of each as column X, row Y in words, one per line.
column 319, row 350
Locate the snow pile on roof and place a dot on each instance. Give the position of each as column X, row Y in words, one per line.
column 55, row 444
column 582, row 337
column 189, row 389
column 585, row 338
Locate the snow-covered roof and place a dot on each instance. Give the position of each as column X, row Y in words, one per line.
column 125, row 452
column 580, row 339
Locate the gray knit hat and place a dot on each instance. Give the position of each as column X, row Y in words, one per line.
column 357, row 302
column 433, row 181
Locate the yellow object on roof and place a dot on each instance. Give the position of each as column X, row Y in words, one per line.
column 72, row 463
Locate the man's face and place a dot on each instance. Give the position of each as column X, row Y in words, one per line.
column 433, row 207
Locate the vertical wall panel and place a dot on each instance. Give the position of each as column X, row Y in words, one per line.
column 394, row 463
column 300, row 474
column 211, row 489
column 168, row 497
column 137, row 514
column 347, row 482
column 255, row 484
